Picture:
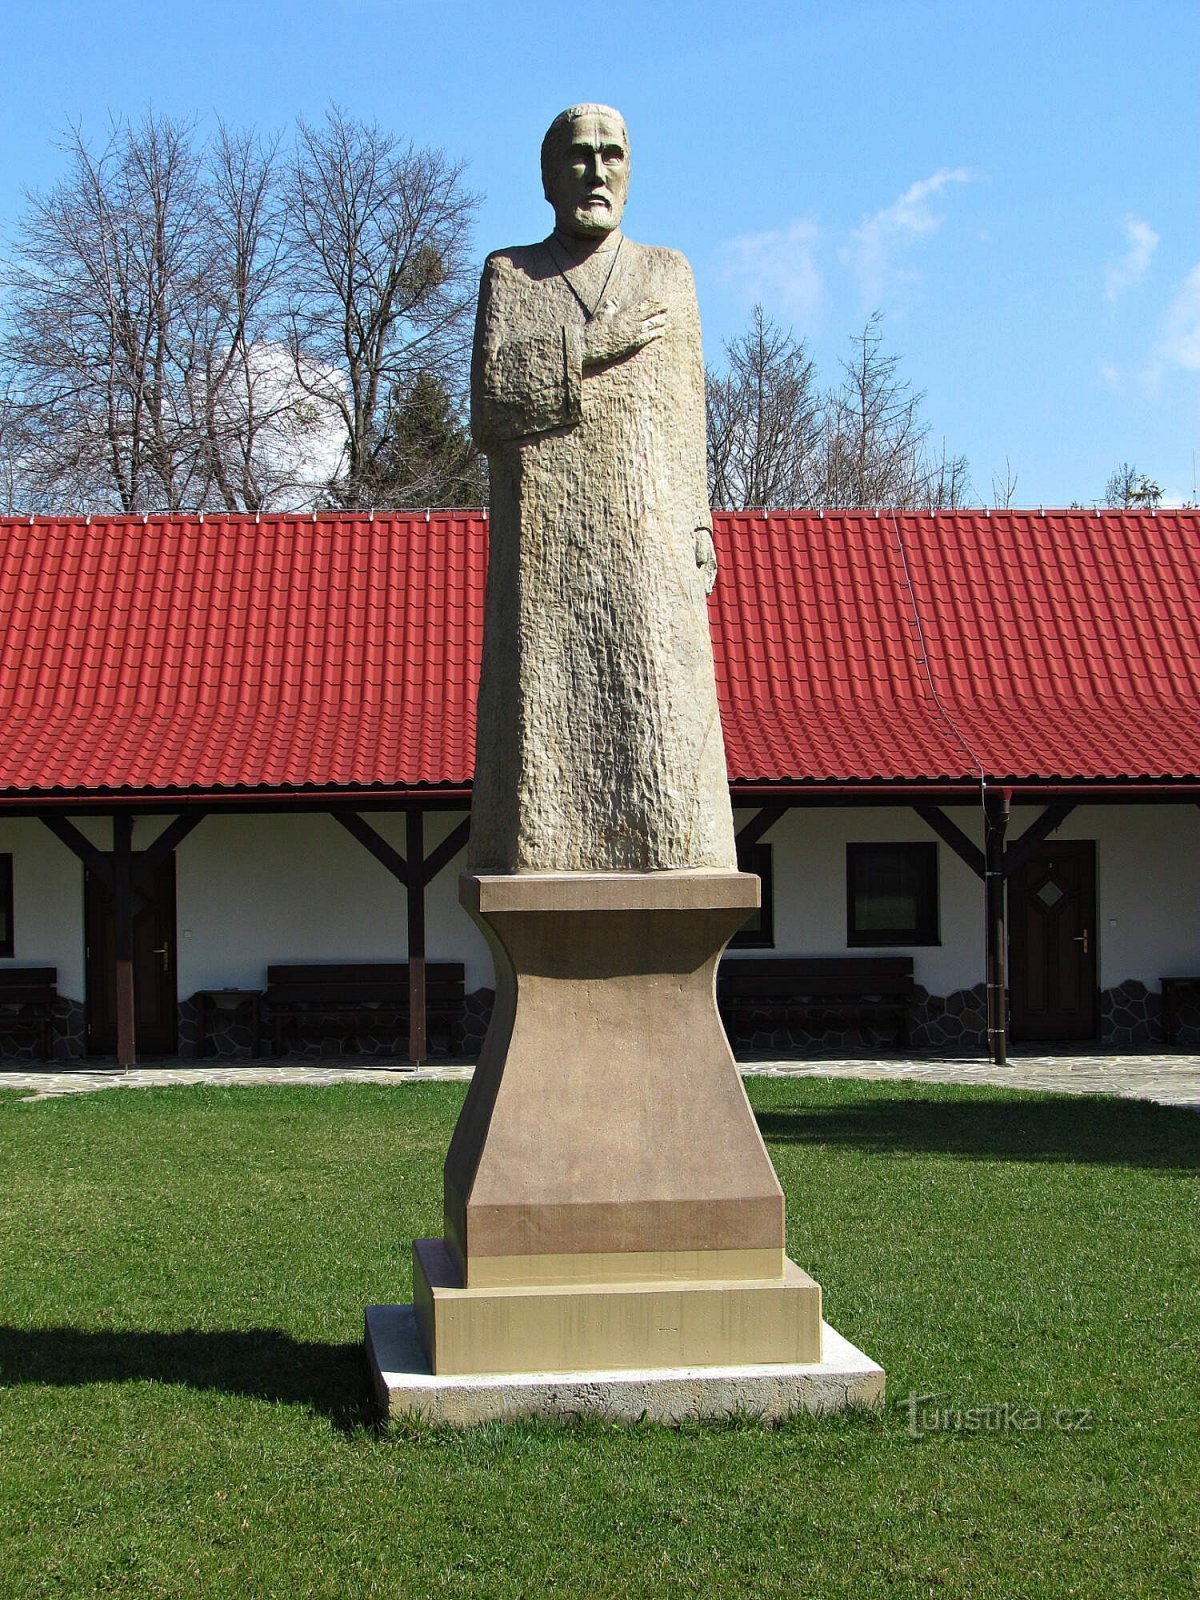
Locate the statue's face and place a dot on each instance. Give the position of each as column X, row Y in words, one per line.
column 589, row 177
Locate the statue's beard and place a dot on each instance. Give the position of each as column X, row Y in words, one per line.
column 597, row 217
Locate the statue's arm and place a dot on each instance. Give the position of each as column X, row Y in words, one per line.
column 525, row 378
column 692, row 387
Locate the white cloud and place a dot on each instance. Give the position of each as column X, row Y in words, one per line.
column 1179, row 342
column 1125, row 270
column 301, row 438
column 777, row 268
column 873, row 246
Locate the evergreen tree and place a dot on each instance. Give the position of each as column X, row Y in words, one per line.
column 422, row 457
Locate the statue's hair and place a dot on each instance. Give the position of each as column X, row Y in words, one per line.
column 560, row 128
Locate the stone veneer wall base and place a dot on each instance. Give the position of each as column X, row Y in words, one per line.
column 1130, row 1019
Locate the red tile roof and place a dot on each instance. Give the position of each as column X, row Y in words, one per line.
column 1017, row 645
column 234, row 656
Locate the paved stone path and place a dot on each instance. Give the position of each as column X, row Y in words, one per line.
column 1171, row 1080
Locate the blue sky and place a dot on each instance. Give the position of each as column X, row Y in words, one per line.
column 1013, row 184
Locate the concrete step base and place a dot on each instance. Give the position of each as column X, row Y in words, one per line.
column 405, row 1386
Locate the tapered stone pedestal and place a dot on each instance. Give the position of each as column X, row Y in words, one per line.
column 609, row 1202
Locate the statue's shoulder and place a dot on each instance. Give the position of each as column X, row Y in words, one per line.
column 526, row 259
column 660, row 259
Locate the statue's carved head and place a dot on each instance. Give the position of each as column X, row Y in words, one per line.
column 585, row 169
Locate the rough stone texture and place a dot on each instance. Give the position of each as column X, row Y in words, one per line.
column 951, row 1023
column 385, row 1046
column 68, row 1038
column 1131, row 1015
column 477, row 1014
column 191, row 1045
column 232, row 1039
column 1130, row 1018
column 606, row 1122
column 845, row 1377
column 70, row 1029
column 599, row 743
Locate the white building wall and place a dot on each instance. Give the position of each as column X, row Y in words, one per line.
column 256, row 890
column 47, row 902
column 1147, row 870
column 1147, row 887
column 252, row 890
column 809, row 863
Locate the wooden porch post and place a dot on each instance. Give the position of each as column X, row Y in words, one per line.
column 414, row 870
column 122, row 901
column 414, row 851
column 996, row 814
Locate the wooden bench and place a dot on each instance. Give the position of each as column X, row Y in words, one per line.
column 28, row 996
column 368, row 997
column 759, row 992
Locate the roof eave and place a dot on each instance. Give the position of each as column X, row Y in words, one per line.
column 961, row 790
column 315, row 798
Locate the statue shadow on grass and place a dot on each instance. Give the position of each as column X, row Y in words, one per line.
column 1084, row 1129
column 329, row 1380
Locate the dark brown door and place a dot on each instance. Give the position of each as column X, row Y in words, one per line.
column 1052, row 943
column 155, row 1001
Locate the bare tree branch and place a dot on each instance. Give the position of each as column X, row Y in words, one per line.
column 225, row 326
column 764, row 421
column 382, row 283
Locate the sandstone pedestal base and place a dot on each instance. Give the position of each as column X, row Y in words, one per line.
column 406, row 1387
column 609, row 1202
column 646, row 1323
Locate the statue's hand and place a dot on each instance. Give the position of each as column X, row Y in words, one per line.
column 706, row 557
column 617, row 331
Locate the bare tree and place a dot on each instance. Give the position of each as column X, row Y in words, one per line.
column 765, row 420
column 1131, row 490
column 381, row 281
column 97, row 343
column 1005, row 488
column 945, row 482
column 775, row 439
column 223, row 325
column 11, row 448
column 146, row 297
column 874, row 434
column 240, row 419
column 876, row 440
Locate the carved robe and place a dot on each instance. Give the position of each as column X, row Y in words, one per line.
column 599, row 741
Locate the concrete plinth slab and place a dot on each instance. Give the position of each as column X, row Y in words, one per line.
column 405, row 1386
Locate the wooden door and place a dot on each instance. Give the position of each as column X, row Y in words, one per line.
column 1052, row 943
column 154, row 989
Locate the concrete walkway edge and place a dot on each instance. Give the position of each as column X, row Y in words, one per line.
column 1171, row 1080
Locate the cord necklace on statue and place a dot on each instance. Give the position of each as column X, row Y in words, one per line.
column 556, row 250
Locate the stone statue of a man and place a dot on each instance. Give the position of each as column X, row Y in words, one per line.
column 599, row 742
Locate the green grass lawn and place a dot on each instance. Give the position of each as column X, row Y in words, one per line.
column 184, row 1409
